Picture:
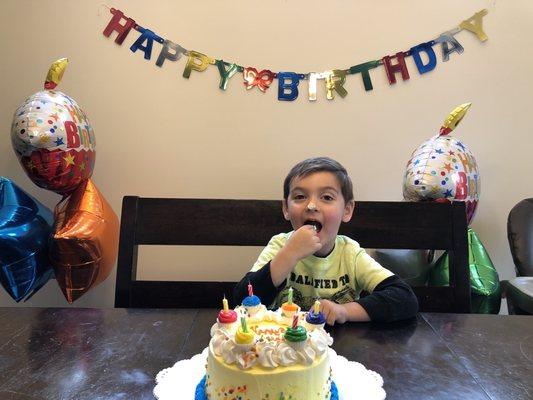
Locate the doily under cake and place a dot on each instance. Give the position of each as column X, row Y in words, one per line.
column 353, row 380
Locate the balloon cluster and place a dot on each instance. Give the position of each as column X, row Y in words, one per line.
column 55, row 144
column 443, row 169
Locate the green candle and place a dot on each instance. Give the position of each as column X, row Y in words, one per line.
column 289, row 299
column 243, row 325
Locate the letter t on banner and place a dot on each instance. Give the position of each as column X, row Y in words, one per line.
column 393, row 69
column 114, row 25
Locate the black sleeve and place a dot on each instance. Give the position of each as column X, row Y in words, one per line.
column 391, row 300
column 261, row 281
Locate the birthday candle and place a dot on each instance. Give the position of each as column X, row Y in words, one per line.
column 295, row 321
column 289, row 299
column 316, row 307
column 243, row 325
column 250, row 289
column 225, row 304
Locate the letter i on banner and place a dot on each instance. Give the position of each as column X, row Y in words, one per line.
column 114, row 25
column 291, row 86
column 391, row 70
column 196, row 61
column 313, row 77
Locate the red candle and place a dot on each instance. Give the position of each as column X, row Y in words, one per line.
column 250, row 290
column 295, row 321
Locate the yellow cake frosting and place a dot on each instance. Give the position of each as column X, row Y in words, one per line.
column 272, row 365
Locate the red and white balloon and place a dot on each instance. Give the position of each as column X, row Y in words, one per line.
column 53, row 138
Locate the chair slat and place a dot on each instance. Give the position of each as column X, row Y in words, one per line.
column 381, row 225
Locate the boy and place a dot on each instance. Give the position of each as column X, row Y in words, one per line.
column 317, row 262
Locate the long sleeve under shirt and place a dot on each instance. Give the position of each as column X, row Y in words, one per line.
column 340, row 277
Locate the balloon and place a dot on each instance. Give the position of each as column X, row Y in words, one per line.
column 443, row 169
column 53, row 138
column 85, row 241
column 484, row 280
column 25, row 228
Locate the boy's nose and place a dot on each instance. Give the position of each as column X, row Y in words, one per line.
column 311, row 206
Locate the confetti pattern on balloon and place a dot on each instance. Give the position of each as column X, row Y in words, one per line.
column 443, row 168
column 54, row 141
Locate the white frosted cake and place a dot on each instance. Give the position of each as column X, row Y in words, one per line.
column 255, row 354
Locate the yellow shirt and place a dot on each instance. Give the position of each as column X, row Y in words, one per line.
column 339, row 277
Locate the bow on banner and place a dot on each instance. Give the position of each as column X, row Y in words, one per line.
column 288, row 81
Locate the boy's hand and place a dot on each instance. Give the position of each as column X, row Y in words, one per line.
column 333, row 312
column 302, row 243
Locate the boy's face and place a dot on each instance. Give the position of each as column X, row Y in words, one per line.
column 317, row 199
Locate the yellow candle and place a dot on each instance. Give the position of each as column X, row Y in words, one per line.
column 225, row 304
column 316, row 307
column 289, row 297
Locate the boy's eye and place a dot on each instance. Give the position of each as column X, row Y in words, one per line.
column 328, row 197
column 298, row 197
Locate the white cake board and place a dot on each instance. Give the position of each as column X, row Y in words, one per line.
column 353, row 380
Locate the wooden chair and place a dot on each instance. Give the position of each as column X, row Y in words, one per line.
column 375, row 224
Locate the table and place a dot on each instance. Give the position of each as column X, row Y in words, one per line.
column 97, row 354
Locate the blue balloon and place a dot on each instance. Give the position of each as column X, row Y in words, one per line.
column 25, row 229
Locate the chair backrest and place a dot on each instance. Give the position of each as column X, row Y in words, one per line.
column 520, row 235
column 389, row 225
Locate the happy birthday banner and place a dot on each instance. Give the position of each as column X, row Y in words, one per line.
column 288, row 82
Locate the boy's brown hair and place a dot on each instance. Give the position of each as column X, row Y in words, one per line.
column 320, row 164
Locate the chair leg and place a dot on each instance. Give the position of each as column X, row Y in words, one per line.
column 510, row 307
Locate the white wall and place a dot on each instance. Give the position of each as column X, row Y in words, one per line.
column 161, row 135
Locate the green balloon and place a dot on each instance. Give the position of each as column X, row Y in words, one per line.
column 484, row 280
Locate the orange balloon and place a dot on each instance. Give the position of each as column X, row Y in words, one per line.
column 85, row 241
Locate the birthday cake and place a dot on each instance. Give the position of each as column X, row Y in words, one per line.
column 257, row 354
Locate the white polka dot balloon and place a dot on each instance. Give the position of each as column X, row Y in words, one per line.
column 443, row 169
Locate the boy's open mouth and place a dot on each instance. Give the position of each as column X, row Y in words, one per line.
column 316, row 224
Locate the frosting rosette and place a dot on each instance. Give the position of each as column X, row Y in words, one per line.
column 227, row 317
column 315, row 318
column 242, row 337
column 251, row 301
column 298, row 334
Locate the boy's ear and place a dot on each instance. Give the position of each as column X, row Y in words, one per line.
column 285, row 209
column 348, row 211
